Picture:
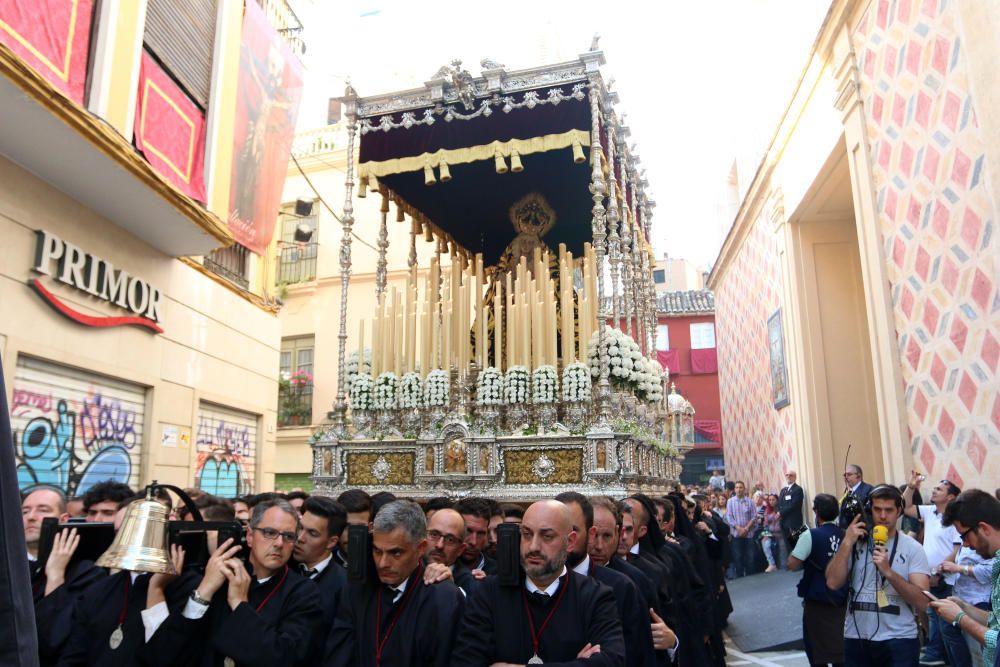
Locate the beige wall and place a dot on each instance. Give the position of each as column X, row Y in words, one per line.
column 216, row 345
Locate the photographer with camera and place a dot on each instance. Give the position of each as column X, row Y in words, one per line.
column 939, row 544
column 887, row 573
column 823, row 609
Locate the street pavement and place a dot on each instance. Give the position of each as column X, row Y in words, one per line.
column 765, row 627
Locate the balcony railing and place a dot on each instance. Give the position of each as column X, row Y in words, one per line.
column 231, row 263
column 318, row 141
column 296, row 262
column 286, row 22
column 295, row 405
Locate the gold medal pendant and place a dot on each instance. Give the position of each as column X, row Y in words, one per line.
column 882, row 599
column 116, row 638
column 535, row 660
column 229, row 662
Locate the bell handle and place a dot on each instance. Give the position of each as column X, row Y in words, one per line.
column 195, row 513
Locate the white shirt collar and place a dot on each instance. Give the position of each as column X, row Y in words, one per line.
column 635, row 548
column 583, row 567
column 855, row 487
column 320, row 566
column 549, row 590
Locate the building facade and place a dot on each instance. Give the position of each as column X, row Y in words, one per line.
column 685, row 341
column 857, row 289
column 128, row 352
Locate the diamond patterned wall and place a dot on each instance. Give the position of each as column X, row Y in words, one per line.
column 758, row 437
column 938, row 234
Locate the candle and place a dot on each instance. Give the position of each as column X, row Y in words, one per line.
column 497, row 327
column 361, row 344
column 377, row 338
column 477, row 307
column 511, row 328
column 446, row 327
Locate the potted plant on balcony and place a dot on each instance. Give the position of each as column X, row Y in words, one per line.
column 295, row 392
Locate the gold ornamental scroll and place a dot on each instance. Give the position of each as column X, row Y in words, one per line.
column 524, row 466
column 362, row 468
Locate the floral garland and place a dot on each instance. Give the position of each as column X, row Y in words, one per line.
column 576, row 383
column 489, row 387
column 361, row 392
column 436, row 389
column 654, row 381
column 385, row 391
column 624, row 357
column 411, row 391
column 352, row 366
column 515, row 385
column 545, row 384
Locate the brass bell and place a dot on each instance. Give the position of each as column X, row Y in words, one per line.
column 141, row 543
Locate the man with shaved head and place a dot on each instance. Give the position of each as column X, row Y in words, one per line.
column 445, row 545
column 552, row 615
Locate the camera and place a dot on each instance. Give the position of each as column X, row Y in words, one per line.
column 852, row 507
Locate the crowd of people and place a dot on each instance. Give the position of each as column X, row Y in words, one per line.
column 592, row 580
column 887, row 579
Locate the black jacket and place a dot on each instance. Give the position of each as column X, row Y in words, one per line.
column 273, row 628
column 330, row 584
column 496, row 626
column 633, row 613
column 54, row 612
column 418, row 630
column 790, row 501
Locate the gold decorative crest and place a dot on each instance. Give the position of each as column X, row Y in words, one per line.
column 543, row 466
column 375, row 469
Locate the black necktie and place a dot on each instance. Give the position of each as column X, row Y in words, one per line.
column 540, row 597
column 306, row 572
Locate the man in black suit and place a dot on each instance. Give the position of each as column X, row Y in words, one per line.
column 262, row 612
column 323, row 519
column 476, row 512
column 790, row 500
column 856, row 486
column 395, row 618
column 632, row 609
column 553, row 615
column 445, row 546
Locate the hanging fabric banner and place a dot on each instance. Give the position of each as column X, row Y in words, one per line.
column 709, row 428
column 704, row 361
column 170, row 130
column 670, row 361
column 53, row 36
column 267, row 103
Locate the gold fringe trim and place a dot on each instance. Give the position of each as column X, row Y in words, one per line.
column 497, row 150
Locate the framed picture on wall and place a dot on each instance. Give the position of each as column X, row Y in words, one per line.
column 779, row 373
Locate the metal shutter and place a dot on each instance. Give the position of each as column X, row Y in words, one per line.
column 73, row 428
column 181, row 34
column 226, row 442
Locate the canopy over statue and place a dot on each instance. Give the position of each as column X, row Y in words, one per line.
column 494, row 369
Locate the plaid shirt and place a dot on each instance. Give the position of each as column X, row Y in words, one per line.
column 739, row 511
column 992, row 624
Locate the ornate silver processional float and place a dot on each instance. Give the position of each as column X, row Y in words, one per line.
column 494, row 371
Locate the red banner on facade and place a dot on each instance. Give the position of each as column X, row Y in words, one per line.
column 704, row 361
column 53, row 36
column 267, row 103
column 709, row 428
column 170, row 130
column 670, row 360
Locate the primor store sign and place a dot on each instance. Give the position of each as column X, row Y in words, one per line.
column 97, row 277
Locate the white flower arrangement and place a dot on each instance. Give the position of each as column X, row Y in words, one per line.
column 515, row 385
column 386, row 385
column 545, row 384
column 576, row 384
column 411, row 391
column 624, row 357
column 355, row 366
column 361, row 391
column 489, row 387
column 654, row 381
column 436, row 389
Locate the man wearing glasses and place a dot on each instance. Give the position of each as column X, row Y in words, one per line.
column 445, row 545
column 856, row 486
column 975, row 515
column 262, row 612
column 939, row 543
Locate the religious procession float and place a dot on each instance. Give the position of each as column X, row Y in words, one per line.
column 519, row 359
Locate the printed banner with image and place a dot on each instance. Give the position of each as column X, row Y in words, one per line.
column 267, row 103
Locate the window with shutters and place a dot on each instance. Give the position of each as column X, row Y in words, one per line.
column 295, row 384
column 702, row 336
column 181, row 36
